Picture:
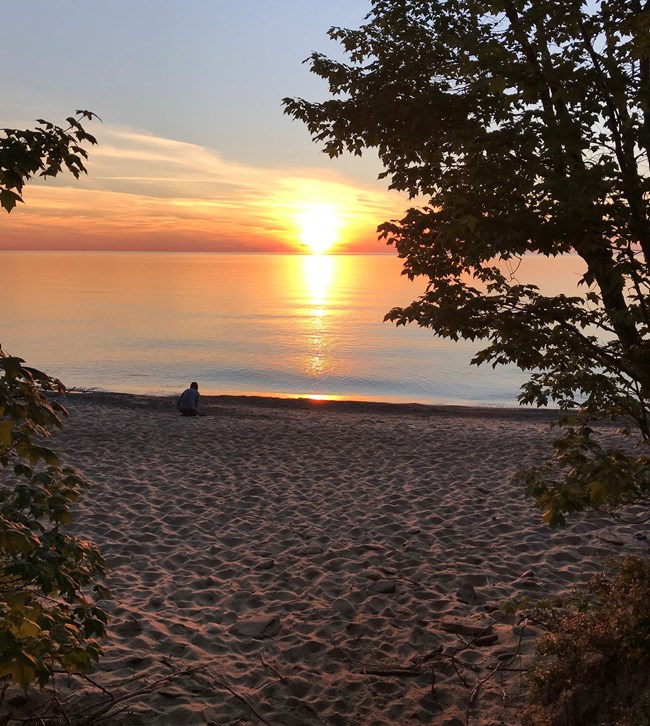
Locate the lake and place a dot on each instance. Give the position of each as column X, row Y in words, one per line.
column 279, row 325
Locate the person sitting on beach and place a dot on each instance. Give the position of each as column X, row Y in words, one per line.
column 188, row 403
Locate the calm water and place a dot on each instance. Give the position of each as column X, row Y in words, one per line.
column 251, row 324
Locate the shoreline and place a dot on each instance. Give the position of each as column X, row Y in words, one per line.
column 211, row 403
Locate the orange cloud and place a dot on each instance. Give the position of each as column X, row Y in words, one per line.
column 148, row 193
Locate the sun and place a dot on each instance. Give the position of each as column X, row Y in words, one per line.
column 319, row 225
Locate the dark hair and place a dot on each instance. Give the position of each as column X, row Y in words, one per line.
column 194, row 384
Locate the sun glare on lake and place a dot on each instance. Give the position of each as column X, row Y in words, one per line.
column 319, row 226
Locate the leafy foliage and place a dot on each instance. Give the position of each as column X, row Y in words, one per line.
column 46, row 619
column 526, row 125
column 594, row 663
column 44, row 151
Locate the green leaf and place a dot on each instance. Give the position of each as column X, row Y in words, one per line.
column 22, row 670
column 76, row 661
column 29, row 629
column 9, row 198
column 6, row 438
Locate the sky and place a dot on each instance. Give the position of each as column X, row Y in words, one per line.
column 195, row 153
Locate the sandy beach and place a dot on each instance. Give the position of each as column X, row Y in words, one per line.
column 319, row 563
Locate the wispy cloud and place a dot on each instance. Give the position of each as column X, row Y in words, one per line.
column 146, row 192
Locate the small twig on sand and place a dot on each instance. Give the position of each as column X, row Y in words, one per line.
column 271, row 667
column 399, row 672
column 458, row 673
column 98, row 686
column 419, row 659
column 60, row 708
column 474, row 691
column 213, row 682
column 120, row 702
column 434, row 695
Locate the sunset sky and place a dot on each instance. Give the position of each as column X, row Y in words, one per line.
column 195, row 152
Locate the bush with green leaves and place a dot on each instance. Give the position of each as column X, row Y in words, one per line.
column 48, row 618
column 594, row 662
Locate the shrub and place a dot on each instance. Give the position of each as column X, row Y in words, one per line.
column 47, row 619
column 594, row 663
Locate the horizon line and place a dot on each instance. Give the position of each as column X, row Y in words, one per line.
column 195, row 252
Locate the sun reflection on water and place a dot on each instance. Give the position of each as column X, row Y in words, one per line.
column 318, row 272
column 318, row 276
column 322, row 397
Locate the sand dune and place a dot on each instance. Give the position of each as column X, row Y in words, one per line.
column 320, row 563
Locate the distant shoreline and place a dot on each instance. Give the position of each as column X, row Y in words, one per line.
column 211, row 404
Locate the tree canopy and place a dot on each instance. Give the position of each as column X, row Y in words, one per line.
column 525, row 127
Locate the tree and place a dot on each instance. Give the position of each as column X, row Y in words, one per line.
column 47, row 618
column 526, row 125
